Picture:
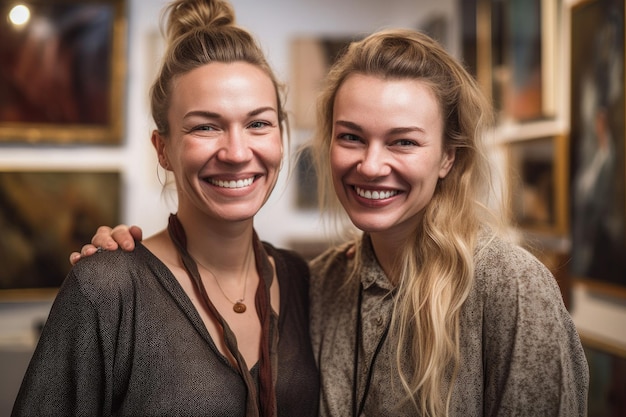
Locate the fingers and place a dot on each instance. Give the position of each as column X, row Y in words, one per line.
column 86, row 251
column 103, row 238
column 74, row 257
column 124, row 236
column 136, row 232
column 109, row 239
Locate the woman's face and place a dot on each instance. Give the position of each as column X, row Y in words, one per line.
column 225, row 145
column 387, row 151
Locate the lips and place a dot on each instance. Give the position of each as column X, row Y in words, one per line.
column 375, row 194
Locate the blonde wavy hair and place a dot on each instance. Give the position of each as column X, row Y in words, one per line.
column 436, row 269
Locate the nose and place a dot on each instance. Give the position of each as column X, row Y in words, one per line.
column 374, row 163
column 234, row 148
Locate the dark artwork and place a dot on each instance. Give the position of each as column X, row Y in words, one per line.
column 44, row 216
column 607, row 383
column 306, row 196
column 597, row 189
column 534, row 205
column 516, row 58
column 56, row 69
column 469, row 37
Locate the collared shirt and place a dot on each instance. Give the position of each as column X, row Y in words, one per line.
column 520, row 352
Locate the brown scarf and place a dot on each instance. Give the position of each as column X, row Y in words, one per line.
column 261, row 403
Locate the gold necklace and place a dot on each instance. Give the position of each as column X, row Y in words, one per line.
column 238, row 305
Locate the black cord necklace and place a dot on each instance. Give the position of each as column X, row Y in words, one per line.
column 357, row 406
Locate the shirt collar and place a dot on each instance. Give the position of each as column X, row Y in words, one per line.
column 371, row 271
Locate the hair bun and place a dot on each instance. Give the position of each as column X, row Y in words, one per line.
column 184, row 16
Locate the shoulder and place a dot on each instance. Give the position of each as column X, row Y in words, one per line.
column 330, row 271
column 112, row 272
column 334, row 258
column 498, row 258
column 508, row 276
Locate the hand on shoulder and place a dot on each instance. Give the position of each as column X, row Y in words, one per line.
column 106, row 238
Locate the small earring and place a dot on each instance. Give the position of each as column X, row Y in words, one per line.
column 162, row 182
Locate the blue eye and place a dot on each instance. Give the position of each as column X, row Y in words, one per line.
column 203, row 128
column 258, row 124
column 349, row 137
column 406, row 142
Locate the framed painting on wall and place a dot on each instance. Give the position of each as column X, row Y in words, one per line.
column 46, row 215
column 538, row 184
column 607, row 378
column 306, row 180
column 515, row 54
column 597, row 151
column 62, row 66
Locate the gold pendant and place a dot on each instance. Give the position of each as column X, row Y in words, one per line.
column 239, row 307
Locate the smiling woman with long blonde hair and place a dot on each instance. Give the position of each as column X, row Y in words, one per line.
column 430, row 312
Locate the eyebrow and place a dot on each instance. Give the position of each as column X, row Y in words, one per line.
column 395, row 130
column 262, row 110
column 213, row 115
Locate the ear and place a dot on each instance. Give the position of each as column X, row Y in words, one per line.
column 447, row 161
column 159, row 145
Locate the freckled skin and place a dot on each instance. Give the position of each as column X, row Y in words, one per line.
column 387, row 137
column 224, row 127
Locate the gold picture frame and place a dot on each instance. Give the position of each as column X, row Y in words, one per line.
column 46, row 215
column 62, row 72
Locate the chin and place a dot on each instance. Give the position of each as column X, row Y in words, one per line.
column 369, row 226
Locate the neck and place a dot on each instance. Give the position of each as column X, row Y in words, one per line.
column 223, row 247
column 387, row 249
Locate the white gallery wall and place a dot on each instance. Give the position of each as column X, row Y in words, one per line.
column 275, row 23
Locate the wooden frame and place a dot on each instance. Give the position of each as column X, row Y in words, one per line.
column 598, row 151
column 44, row 216
column 538, row 184
column 515, row 55
column 62, row 73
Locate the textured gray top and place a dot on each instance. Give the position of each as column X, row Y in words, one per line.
column 124, row 339
column 520, row 352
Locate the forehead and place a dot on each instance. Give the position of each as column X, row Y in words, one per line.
column 374, row 100
column 222, row 83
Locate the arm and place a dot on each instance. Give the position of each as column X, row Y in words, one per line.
column 533, row 359
column 66, row 375
column 109, row 239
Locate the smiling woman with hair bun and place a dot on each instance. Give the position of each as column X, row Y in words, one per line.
column 202, row 318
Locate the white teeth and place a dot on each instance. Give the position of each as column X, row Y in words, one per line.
column 374, row 195
column 233, row 184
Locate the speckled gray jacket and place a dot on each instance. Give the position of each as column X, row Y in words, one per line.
column 520, row 352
